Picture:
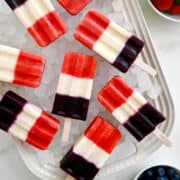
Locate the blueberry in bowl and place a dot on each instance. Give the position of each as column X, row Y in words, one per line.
column 160, row 172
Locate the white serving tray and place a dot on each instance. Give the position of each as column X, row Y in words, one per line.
column 143, row 150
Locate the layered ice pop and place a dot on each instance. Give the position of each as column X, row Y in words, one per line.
column 91, row 151
column 75, row 86
column 131, row 109
column 74, row 6
column 40, row 19
column 117, row 46
column 20, row 67
column 26, row 121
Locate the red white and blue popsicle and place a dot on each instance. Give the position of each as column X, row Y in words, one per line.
column 132, row 110
column 20, row 67
column 117, row 46
column 91, row 150
column 26, row 121
column 74, row 88
column 74, row 6
column 40, row 19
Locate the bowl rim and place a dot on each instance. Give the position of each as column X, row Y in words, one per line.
column 152, row 166
column 171, row 18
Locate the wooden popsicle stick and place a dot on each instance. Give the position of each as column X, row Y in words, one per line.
column 67, row 129
column 139, row 62
column 162, row 137
column 68, row 177
column 145, row 67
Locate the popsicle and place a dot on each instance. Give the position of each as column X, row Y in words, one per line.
column 40, row 19
column 74, row 6
column 117, row 46
column 74, row 89
column 26, row 121
column 132, row 110
column 91, row 150
column 20, row 67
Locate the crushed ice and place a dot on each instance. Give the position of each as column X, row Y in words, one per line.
column 12, row 33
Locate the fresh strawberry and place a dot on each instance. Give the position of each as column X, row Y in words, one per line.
column 175, row 9
column 163, row 5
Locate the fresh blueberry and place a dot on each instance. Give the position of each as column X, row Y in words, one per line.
column 171, row 172
column 150, row 173
column 161, row 171
column 162, row 178
column 176, row 177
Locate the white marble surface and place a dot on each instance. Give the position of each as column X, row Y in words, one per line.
column 166, row 38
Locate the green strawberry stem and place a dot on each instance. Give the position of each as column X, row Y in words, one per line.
column 168, row 11
column 176, row 2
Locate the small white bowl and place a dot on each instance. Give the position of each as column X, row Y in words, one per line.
column 149, row 167
column 175, row 18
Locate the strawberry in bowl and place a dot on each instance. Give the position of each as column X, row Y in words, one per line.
column 169, row 9
column 168, row 6
column 163, row 5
